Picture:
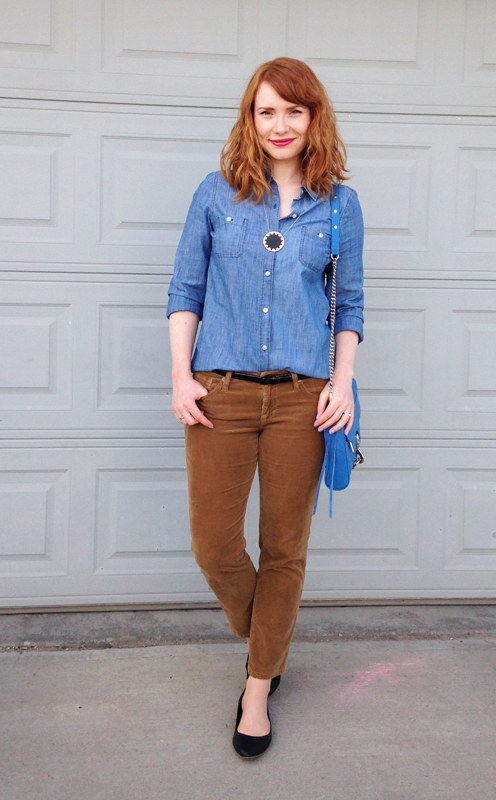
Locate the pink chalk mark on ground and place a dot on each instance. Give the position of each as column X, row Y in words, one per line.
column 371, row 678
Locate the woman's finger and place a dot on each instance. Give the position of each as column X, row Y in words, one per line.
column 349, row 423
column 323, row 400
column 185, row 418
column 341, row 423
column 199, row 416
column 330, row 407
column 187, row 411
column 331, row 414
column 337, row 421
column 333, row 425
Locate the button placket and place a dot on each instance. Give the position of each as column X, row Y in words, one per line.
column 265, row 298
column 265, row 331
column 266, row 293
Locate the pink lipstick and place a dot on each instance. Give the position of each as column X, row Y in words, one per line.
column 281, row 142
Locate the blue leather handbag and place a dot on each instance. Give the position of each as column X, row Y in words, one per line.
column 342, row 451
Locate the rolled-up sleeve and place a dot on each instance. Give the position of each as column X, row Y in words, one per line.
column 188, row 284
column 349, row 274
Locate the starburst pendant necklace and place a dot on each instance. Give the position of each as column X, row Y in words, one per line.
column 273, row 241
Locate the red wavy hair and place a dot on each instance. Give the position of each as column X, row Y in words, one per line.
column 246, row 166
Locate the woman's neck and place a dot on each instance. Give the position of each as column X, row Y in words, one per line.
column 287, row 173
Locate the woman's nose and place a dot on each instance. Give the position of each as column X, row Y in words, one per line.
column 281, row 125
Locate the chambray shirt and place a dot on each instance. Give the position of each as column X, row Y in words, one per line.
column 265, row 311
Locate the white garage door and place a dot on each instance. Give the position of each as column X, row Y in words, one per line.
column 112, row 112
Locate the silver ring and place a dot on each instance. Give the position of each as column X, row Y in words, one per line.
column 348, row 414
column 181, row 418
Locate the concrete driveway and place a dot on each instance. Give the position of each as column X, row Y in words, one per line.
column 353, row 720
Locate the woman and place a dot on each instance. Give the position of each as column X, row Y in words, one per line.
column 259, row 392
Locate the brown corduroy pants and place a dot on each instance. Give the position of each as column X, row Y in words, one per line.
column 271, row 426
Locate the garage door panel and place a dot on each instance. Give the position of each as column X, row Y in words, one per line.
column 453, row 540
column 429, row 535
column 195, row 51
column 85, row 355
column 103, row 535
column 480, row 47
column 360, row 42
column 135, row 367
column 470, row 519
column 428, row 366
column 163, row 30
column 123, row 380
column 391, row 364
column 476, row 207
column 140, row 202
column 35, row 356
column 37, row 188
column 142, row 520
column 96, row 356
column 393, row 184
column 34, row 517
column 436, row 214
column 424, row 188
column 375, row 526
column 83, row 196
column 37, row 34
column 473, row 356
column 414, row 51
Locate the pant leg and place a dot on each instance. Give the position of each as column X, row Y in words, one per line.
column 221, row 464
column 291, row 453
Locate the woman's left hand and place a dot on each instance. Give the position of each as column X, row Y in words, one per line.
column 331, row 412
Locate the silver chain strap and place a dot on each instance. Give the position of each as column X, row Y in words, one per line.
column 359, row 458
column 332, row 321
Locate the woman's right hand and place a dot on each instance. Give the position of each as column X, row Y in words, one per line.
column 185, row 392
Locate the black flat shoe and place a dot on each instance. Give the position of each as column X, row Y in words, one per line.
column 250, row 746
column 273, row 684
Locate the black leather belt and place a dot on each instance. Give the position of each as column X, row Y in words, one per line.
column 265, row 379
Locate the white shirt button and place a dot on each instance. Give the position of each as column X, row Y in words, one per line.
column 335, row 211
column 335, row 227
column 228, row 219
column 294, row 216
column 267, row 273
column 265, row 310
column 264, row 347
column 321, row 235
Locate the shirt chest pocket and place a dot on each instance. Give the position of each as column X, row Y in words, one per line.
column 315, row 247
column 228, row 237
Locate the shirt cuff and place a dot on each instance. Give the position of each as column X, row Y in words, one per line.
column 179, row 303
column 348, row 322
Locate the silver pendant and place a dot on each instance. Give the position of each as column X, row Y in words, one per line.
column 273, row 241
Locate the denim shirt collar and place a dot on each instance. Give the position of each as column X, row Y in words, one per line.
column 304, row 189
